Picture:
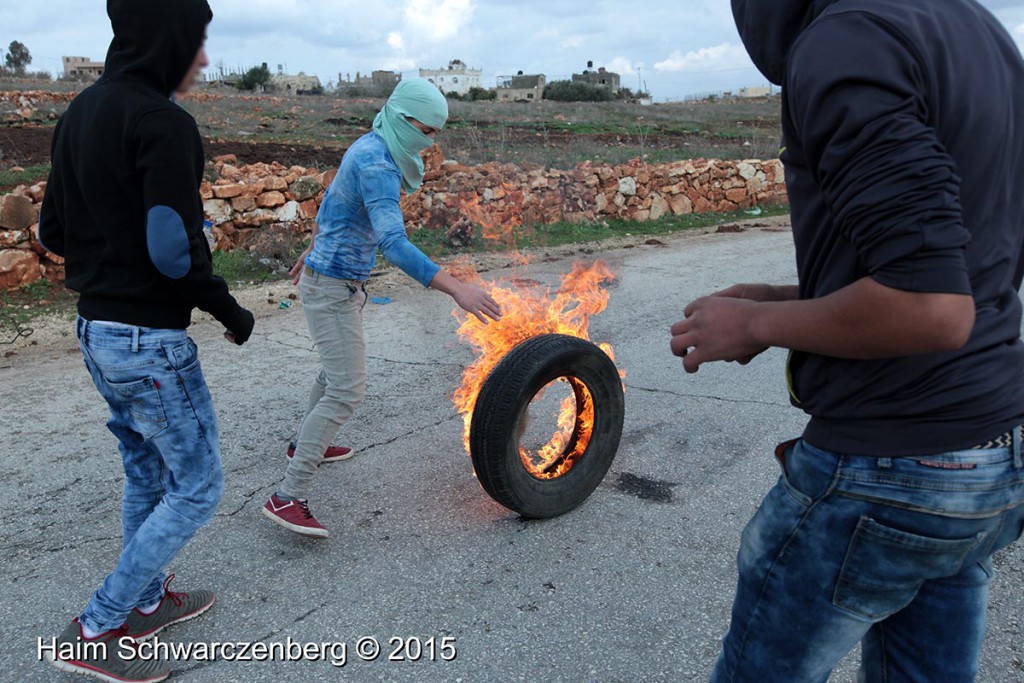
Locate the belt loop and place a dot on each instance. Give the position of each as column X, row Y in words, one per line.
column 1018, row 462
column 135, row 338
column 885, row 463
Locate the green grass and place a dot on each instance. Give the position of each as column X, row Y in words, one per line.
column 240, row 266
column 31, row 174
column 434, row 243
column 19, row 307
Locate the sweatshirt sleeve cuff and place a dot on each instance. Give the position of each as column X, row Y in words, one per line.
column 934, row 272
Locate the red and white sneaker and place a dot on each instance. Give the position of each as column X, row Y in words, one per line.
column 294, row 515
column 332, row 454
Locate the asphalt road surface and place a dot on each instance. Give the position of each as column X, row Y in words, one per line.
column 635, row 585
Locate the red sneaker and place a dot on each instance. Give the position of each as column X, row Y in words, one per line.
column 332, row 454
column 294, row 515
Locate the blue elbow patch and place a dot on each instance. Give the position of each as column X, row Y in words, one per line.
column 167, row 241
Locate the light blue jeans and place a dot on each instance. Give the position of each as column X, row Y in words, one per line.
column 162, row 415
column 894, row 553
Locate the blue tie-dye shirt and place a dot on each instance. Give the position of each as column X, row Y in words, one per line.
column 360, row 213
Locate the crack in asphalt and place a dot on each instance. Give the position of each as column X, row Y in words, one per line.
column 310, row 613
column 270, row 337
column 712, row 398
column 435, row 364
column 410, row 433
column 248, row 499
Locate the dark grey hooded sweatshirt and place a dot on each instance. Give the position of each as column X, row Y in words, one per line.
column 903, row 143
column 122, row 204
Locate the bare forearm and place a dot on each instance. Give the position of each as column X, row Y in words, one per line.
column 866, row 320
column 443, row 282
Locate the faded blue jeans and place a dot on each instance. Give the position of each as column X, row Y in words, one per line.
column 162, row 415
column 894, row 553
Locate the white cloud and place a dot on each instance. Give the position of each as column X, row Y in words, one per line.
column 707, row 59
column 438, row 20
column 324, row 37
column 623, row 66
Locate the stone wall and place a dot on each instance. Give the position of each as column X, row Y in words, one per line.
column 268, row 207
column 504, row 194
column 23, row 259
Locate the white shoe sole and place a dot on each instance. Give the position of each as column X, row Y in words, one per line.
column 324, row 461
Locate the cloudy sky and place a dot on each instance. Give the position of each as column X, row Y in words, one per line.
column 674, row 48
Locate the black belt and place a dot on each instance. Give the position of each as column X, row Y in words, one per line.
column 1003, row 440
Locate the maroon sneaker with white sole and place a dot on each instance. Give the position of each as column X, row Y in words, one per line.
column 293, row 515
column 332, row 454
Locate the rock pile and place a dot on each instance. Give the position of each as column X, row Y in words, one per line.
column 268, row 207
column 504, row 194
column 22, row 258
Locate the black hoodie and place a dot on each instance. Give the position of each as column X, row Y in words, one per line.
column 903, row 143
column 122, row 204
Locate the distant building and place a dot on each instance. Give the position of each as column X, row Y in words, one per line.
column 760, row 91
column 299, row 84
column 457, row 78
column 82, row 67
column 520, row 88
column 602, row 78
column 381, row 82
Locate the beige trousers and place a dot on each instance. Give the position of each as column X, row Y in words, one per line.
column 334, row 313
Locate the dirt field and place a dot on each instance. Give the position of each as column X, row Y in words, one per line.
column 315, row 131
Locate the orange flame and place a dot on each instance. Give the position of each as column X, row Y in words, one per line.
column 530, row 310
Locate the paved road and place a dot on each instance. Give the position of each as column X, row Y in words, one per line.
column 633, row 586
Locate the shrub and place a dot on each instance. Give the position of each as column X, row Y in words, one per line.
column 569, row 91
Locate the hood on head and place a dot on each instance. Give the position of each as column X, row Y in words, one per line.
column 770, row 27
column 421, row 100
column 155, row 42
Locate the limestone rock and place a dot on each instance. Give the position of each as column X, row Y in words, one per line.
column 305, row 188
column 18, row 267
column 270, row 200
column 17, row 212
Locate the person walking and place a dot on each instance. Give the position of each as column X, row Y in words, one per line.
column 122, row 207
column 360, row 213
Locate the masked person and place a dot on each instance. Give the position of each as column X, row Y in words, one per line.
column 903, row 144
column 122, row 207
column 359, row 214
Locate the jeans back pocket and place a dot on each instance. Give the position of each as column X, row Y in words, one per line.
column 142, row 399
column 884, row 567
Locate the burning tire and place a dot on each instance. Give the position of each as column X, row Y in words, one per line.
column 568, row 469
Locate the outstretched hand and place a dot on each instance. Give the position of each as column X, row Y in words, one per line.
column 476, row 301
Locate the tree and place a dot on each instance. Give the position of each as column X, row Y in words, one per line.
column 18, row 57
column 575, row 91
column 477, row 93
column 258, row 76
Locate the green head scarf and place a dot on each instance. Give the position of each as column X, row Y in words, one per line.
column 422, row 101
